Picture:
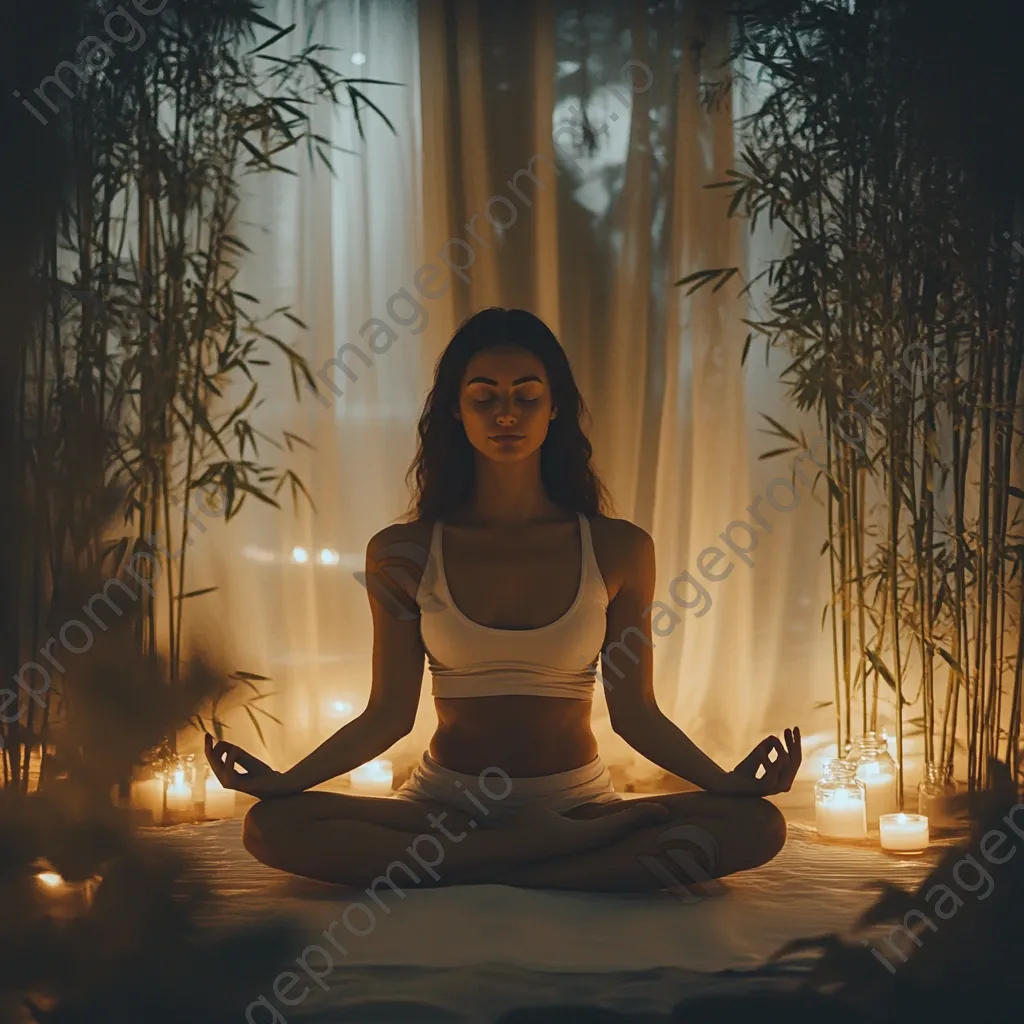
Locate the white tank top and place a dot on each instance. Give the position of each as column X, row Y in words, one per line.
column 468, row 659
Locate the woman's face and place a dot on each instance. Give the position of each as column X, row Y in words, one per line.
column 505, row 403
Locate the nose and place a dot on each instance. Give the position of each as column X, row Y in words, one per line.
column 506, row 416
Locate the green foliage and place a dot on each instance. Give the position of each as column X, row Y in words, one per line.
column 897, row 307
column 141, row 388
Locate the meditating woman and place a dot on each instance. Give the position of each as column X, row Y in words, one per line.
column 513, row 584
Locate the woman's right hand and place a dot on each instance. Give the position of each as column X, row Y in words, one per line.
column 258, row 779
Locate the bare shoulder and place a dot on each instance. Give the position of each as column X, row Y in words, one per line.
column 397, row 538
column 624, row 551
column 400, row 544
column 397, row 556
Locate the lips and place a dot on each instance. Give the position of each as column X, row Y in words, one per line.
column 507, row 437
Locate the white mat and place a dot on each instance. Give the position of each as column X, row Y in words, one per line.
column 468, row 953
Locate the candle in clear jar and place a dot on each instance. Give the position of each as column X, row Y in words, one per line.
column 219, row 802
column 148, row 795
column 904, row 833
column 880, row 792
column 841, row 815
column 373, row 778
column 179, row 793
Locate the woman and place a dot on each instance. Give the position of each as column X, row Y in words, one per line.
column 512, row 582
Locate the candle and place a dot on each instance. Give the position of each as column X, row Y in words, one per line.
column 64, row 899
column 841, row 815
column 374, row 777
column 839, row 804
column 880, row 792
column 148, row 795
column 877, row 770
column 179, row 794
column 904, row 833
column 219, row 802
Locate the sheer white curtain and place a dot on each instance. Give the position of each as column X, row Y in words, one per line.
column 490, row 171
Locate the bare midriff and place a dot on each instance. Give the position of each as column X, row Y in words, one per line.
column 524, row 736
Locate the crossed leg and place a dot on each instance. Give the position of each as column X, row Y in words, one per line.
column 707, row 837
column 353, row 840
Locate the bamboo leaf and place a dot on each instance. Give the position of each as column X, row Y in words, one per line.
column 778, row 451
column 273, row 39
column 746, row 349
column 950, row 660
column 883, row 670
column 779, row 429
column 255, row 724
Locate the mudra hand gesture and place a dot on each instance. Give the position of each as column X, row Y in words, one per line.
column 257, row 779
column 778, row 774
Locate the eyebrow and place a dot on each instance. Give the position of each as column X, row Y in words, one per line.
column 494, row 383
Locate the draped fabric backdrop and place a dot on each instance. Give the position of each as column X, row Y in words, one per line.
column 489, row 169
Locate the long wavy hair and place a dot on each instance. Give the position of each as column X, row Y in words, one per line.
column 443, row 473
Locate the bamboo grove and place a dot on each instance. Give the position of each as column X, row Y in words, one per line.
column 898, row 308
column 139, row 390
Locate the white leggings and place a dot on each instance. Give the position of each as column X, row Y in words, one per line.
column 496, row 796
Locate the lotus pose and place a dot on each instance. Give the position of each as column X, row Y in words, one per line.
column 511, row 582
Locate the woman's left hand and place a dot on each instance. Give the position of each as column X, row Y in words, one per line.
column 258, row 779
column 778, row 774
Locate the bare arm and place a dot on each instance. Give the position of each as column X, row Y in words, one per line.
column 628, row 670
column 397, row 674
column 394, row 691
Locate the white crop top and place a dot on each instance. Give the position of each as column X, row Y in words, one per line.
column 468, row 659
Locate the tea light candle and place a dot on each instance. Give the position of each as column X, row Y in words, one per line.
column 219, row 802
column 904, row 833
column 179, row 793
column 148, row 795
column 373, row 778
column 840, row 815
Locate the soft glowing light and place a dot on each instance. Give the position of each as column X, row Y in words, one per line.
column 300, row 555
column 328, row 556
column 257, row 554
column 218, row 801
column 148, row 795
column 841, row 817
column 341, row 708
column 50, row 879
column 373, row 777
column 179, row 793
column 358, row 58
column 904, row 833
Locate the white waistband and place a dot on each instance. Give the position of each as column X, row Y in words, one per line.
column 501, row 794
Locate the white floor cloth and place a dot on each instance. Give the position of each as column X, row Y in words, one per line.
column 471, row 953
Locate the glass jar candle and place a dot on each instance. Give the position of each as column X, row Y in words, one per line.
column 935, row 796
column 877, row 770
column 840, row 804
column 217, row 802
column 180, row 800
